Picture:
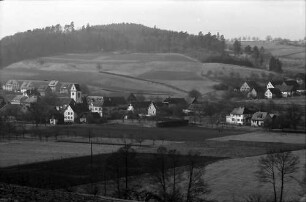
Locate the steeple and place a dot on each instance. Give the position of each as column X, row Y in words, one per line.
column 75, row 93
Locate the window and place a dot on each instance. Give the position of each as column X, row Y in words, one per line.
column 72, row 94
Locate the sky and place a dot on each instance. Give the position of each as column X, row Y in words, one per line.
column 232, row 18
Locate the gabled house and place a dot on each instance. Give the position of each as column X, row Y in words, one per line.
column 301, row 89
column 54, row 86
column 239, row 116
column 273, row 84
column 63, row 102
column 76, row 93
column 12, row 85
column 18, row 99
column 247, row 86
column 95, row 104
column 273, row 93
column 139, row 108
column 26, row 85
column 286, row 90
column 258, row 119
column 29, row 101
column 256, row 93
column 156, row 108
column 73, row 111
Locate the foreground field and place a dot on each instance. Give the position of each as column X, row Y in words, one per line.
column 234, row 180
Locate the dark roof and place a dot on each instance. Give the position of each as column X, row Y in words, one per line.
column 252, row 84
column 158, row 105
column 141, row 105
column 301, row 87
column 259, row 116
column 276, row 82
column 77, row 86
column 291, row 82
column 175, row 101
column 241, row 110
column 275, row 91
column 78, row 107
column 259, row 89
column 64, row 101
column 113, row 101
column 87, row 114
column 285, row 88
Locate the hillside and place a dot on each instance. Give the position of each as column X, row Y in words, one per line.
column 292, row 57
column 151, row 74
column 57, row 40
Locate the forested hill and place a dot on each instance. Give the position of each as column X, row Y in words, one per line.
column 115, row 37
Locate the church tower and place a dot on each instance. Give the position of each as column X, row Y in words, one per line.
column 75, row 93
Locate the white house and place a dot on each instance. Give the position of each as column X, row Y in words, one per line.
column 239, row 116
column 273, row 84
column 248, row 86
column 69, row 115
column 95, row 104
column 75, row 93
column 11, row 85
column 273, row 93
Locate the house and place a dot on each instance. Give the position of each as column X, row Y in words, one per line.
column 95, row 104
column 239, row 116
column 273, row 84
column 290, row 82
column 73, row 111
column 156, row 108
column 286, row 90
column 26, row 85
column 258, row 119
column 65, row 88
column 54, row 86
column 273, row 93
column 247, row 86
column 18, row 99
column 301, row 89
column 11, row 85
column 44, row 90
column 256, row 93
column 31, row 92
column 56, row 117
column 76, row 93
column 171, row 102
column 139, row 108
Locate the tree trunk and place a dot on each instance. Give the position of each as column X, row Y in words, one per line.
column 189, row 183
column 282, row 183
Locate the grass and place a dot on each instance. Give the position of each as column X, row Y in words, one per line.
column 266, row 137
column 76, row 171
column 222, row 175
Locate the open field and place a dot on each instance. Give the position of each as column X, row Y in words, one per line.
column 233, row 179
column 22, row 152
column 290, row 138
column 218, row 70
column 146, row 73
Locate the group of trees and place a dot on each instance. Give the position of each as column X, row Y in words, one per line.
column 169, row 181
column 114, row 37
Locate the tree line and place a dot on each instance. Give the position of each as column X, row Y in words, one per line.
column 59, row 39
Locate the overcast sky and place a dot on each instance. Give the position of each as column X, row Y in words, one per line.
column 283, row 18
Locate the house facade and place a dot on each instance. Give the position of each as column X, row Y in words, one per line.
column 273, row 84
column 239, row 116
column 76, row 93
column 11, row 85
column 155, row 108
column 273, row 93
column 69, row 115
column 54, row 86
column 248, row 86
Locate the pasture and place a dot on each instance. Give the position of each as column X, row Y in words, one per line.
column 104, row 73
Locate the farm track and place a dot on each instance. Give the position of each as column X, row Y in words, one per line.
column 149, row 81
column 286, row 55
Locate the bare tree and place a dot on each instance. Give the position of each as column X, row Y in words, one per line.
column 196, row 185
column 277, row 168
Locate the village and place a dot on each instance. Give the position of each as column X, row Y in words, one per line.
column 65, row 103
